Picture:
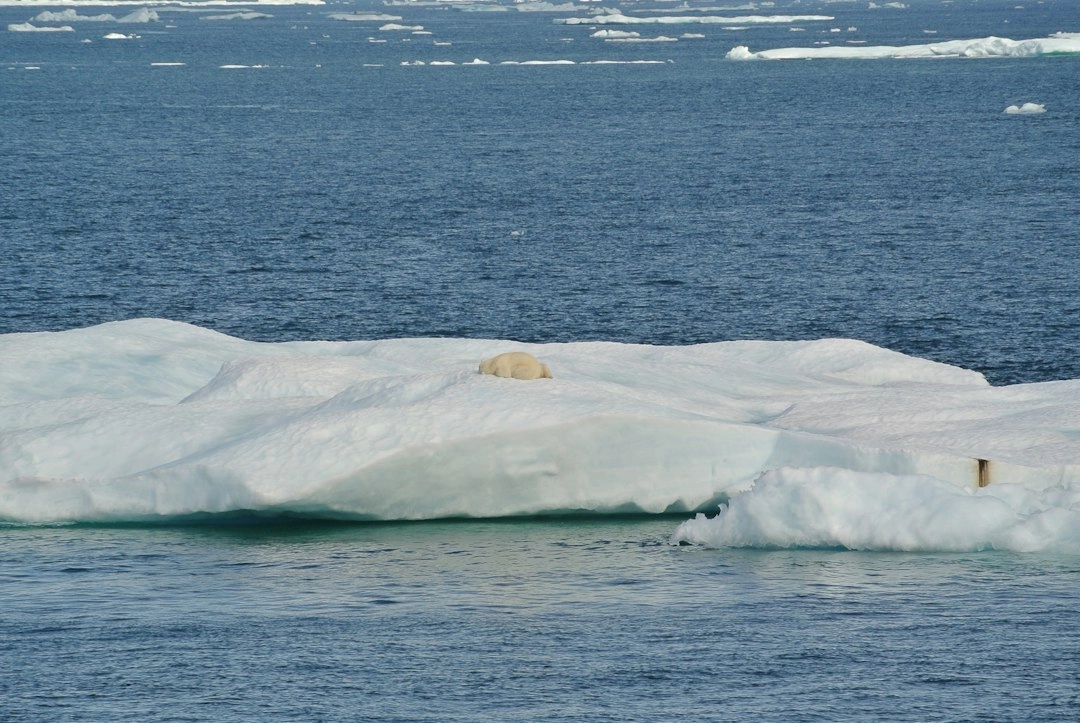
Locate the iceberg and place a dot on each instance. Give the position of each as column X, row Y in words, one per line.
column 142, row 15
column 150, row 419
column 1026, row 109
column 71, row 16
column 991, row 47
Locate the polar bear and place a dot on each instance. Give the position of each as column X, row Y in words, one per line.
column 516, row 365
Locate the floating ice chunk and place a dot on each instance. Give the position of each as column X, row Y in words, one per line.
column 120, row 36
column 626, row 62
column 71, row 16
column 145, row 418
column 142, row 15
column 615, row 34
column 246, row 15
column 390, row 27
column 364, row 17
column 477, row 61
column 657, row 39
column 538, row 62
column 545, row 7
column 1026, row 109
column 975, row 48
column 29, row 28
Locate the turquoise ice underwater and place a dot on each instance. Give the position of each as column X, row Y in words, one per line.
column 186, row 212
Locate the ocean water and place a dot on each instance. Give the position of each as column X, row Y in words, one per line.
column 326, row 191
column 554, row 619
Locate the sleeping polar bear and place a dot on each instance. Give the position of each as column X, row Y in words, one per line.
column 516, row 365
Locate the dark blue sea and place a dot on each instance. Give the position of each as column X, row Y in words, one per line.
column 287, row 178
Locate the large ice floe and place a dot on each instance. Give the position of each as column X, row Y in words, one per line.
column 830, row 442
column 1056, row 44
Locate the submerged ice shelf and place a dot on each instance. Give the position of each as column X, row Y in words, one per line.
column 147, row 418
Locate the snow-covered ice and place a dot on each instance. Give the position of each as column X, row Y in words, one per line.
column 831, row 442
column 1026, row 109
column 1058, row 43
column 31, row 28
column 243, row 15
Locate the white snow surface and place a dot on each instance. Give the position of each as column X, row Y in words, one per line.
column 31, row 28
column 1026, row 109
column 830, row 442
column 975, row 48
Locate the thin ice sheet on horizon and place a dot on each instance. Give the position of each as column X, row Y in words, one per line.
column 990, row 47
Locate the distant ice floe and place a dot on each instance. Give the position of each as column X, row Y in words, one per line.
column 142, row 15
column 120, row 36
column 30, row 28
column 1026, row 109
column 621, row 19
column 657, row 39
column 364, row 17
column 245, row 15
column 610, row 34
column 546, row 7
column 70, row 16
column 812, row 443
column 990, row 47
column 392, row 27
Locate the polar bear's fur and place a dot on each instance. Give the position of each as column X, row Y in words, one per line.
column 516, row 365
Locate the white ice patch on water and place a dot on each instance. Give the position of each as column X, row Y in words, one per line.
column 977, row 48
column 608, row 34
column 72, row 16
column 244, row 15
column 364, row 17
column 31, row 28
column 1026, row 109
column 545, row 7
column 816, row 443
